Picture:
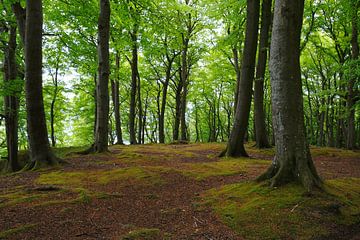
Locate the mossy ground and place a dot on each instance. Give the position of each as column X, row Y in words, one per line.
column 158, row 186
column 256, row 211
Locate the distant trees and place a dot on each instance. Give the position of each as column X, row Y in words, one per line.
column 178, row 69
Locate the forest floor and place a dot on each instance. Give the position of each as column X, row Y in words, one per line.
column 178, row 192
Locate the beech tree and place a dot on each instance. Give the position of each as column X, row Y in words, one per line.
column 40, row 152
column 293, row 160
column 102, row 98
column 235, row 145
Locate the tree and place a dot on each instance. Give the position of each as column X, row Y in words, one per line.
column 102, row 98
column 292, row 161
column 351, row 134
column 260, row 127
column 235, row 145
column 40, row 152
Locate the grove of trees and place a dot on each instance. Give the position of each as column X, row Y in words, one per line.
column 102, row 72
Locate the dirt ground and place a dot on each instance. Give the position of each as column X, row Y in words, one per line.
column 97, row 202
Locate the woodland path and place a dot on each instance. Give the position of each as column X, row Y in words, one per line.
column 153, row 191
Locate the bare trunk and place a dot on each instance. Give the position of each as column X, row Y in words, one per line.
column 116, row 101
column 102, row 116
column 351, row 137
column 235, row 145
column 134, row 80
column 293, row 160
column 11, row 104
column 260, row 126
column 40, row 153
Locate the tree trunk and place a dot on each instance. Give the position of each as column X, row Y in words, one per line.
column 179, row 89
column 53, row 101
column 20, row 14
column 260, row 127
column 351, row 137
column 11, row 104
column 163, row 100
column 116, row 100
column 140, row 111
column 293, row 160
column 134, row 80
column 102, row 97
column 235, row 145
column 184, row 79
column 40, row 152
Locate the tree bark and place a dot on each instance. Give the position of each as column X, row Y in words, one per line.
column 102, row 97
column 260, row 126
column 11, row 104
column 53, row 102
column 292, row 162
column 40, row 152
column 20, row 14
column 116, row 100
column 235, row 145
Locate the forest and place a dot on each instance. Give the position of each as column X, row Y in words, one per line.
column 179, row 119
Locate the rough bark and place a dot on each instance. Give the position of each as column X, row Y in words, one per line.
column 102, row 97
column 235, row 145
column 11, row 104
column 40, row 152
column 351, row 136
column 260, row 126
column 116, row 101
column 292, row 162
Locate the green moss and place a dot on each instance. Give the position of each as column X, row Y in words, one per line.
column 98, row 177
column 256, row 211
column 225, row 167
column 333, row 152
column 13, row 231
column 143, row 234
column 17, row 197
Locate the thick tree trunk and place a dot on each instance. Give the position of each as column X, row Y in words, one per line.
column 293, row 160
column 40, row 153
column 133, row 91
column 11, row 104
column 102, row 97
column 235, row 145
column 116, row 100
column 260, row 126
column 351, row 137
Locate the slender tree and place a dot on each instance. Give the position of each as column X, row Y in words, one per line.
column 11, row 103
column 293, row 160
column 260, row 126
column 101, row 133
column 40, row 152
column 235, row 145
column 116, row 100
